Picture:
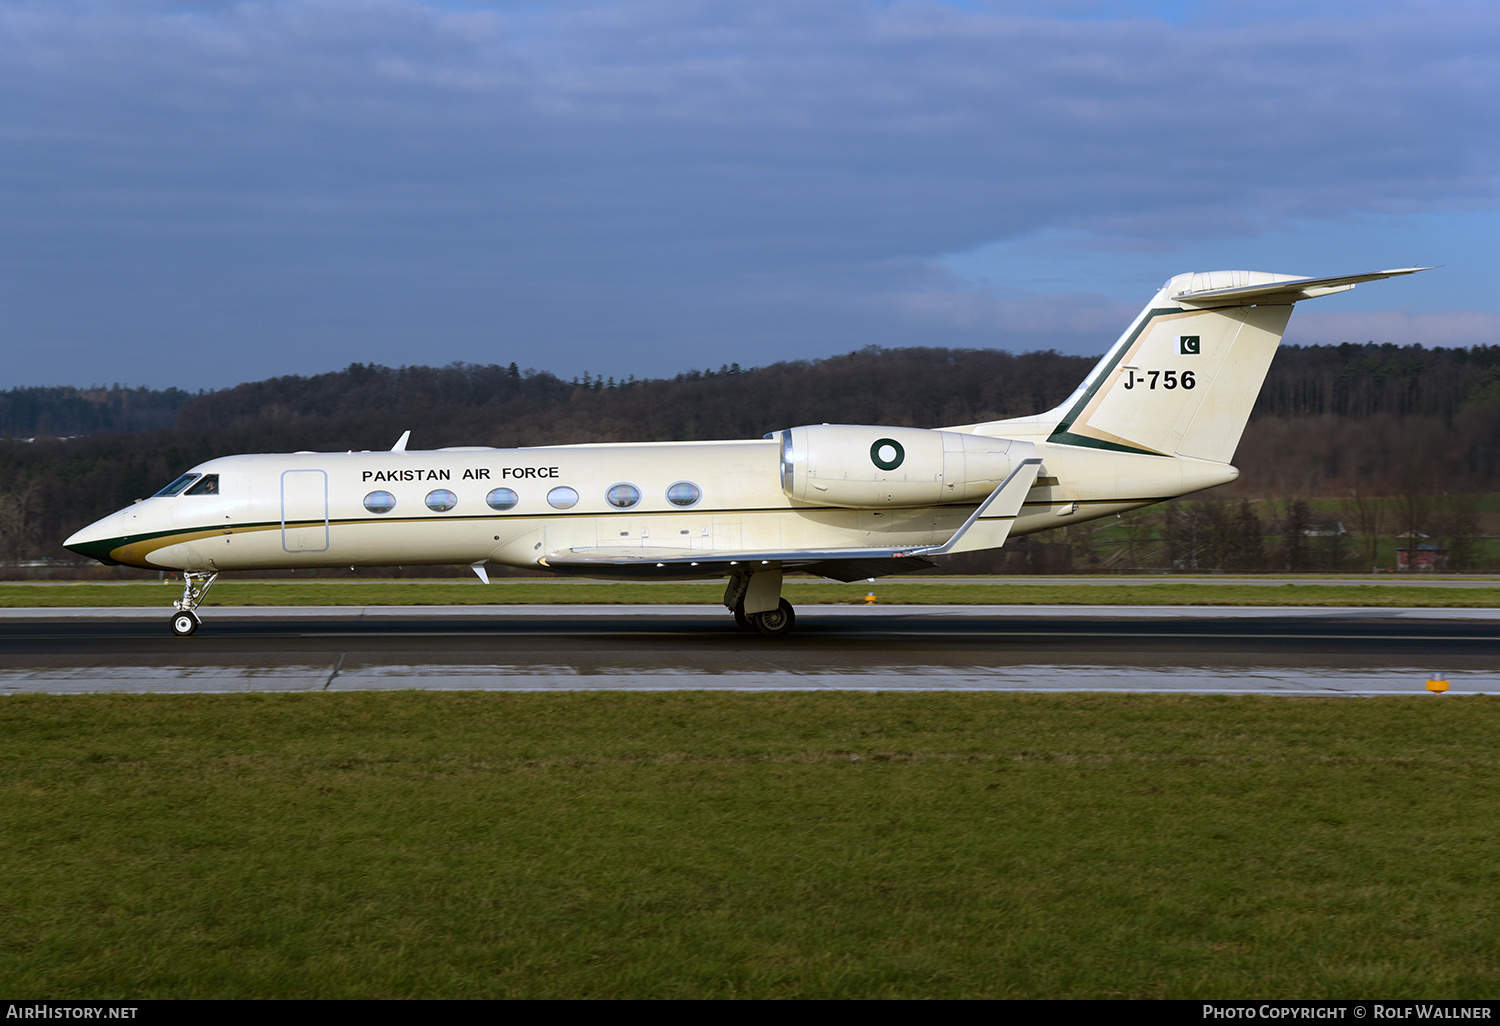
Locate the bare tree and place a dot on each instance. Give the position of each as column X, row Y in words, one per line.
column 1294, row 534
column 1460, row 523
column 1367, row 512
column 1084, row 543
column 1140, row 538
column 1413, row 511
column 1247, row 550
column 18, row 521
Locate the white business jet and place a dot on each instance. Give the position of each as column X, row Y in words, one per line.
column 1158, row 417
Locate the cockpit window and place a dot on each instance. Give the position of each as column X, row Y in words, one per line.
column 178, row 485
column 208, row 486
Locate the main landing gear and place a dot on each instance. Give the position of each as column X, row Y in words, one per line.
column 773, row 623
column 195, row 585
column 760, row 591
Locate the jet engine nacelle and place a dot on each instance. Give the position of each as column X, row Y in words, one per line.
column 874, row 467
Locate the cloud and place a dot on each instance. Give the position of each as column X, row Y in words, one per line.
column 638, row 186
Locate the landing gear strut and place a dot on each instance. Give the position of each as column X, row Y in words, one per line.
column 195, row 585
column 761, row 591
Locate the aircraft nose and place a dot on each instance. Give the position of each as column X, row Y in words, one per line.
column 96, row 540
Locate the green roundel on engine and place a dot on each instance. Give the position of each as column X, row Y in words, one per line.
column 887, row 454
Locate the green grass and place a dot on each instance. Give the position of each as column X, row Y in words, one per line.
column 772, row 845
column 233, row 592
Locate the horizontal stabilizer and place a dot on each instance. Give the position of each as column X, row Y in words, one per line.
column 1285, row 289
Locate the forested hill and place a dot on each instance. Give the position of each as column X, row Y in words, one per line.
column 1331, row 418
column 65, row 412
column 1369, row 380
column 492, row 405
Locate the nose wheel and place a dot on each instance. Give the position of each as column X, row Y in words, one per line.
column 195, row 586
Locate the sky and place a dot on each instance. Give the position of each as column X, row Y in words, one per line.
column 196, row 194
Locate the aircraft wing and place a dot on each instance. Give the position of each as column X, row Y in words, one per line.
column 838, row 564
column 1287, row 290
column 987, row 527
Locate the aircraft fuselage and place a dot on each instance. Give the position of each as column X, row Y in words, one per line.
column 314, row 509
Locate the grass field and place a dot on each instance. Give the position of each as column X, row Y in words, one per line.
column 748, row 845
column 234, row 592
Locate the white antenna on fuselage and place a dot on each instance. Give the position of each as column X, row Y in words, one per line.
column 400, row 445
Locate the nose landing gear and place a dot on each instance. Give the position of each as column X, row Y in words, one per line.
column 195, row 586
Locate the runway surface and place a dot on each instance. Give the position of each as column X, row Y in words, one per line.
column 1223, row 650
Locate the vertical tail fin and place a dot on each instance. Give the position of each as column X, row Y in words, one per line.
column 1180, row 382
column 1182, row 379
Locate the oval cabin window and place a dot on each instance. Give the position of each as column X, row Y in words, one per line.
column 684, row 493
column 380, row 502
column 562, row 497
column 623, row 496
column 502, row 499
column 441, row 500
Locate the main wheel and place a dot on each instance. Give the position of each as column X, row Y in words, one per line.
column 742, row 618
column 184, row 623
column 775, row 622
